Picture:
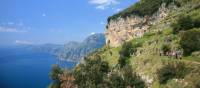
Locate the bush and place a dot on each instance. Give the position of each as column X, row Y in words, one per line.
column 183, row 23
column 190, row 41
column 172, row 70
column 56, row 70
column 126, row 78
column 187, row 22
column 116, row 81
column 165, row 48
column 197, row 84
column 125, row 53
column 132, row 79
column 127, row 49
column 91, row 73
column 55, row 84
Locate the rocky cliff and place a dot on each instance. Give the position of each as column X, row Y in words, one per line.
column 121, row 29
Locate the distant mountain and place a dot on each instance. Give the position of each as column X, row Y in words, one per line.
column 19, row 49
column 74, row 51
column 71, row 51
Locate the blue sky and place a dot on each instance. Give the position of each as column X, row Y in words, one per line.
column 54, row 21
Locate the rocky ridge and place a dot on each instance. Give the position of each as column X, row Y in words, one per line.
column 124, row 29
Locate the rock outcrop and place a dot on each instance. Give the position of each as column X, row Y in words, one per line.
column 124, row 29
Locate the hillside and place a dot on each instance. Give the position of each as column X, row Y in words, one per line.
column 166, row 55
column 75, row 51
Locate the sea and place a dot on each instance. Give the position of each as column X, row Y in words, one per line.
column 27, row 69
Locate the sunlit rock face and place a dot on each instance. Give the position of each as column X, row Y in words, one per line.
column 124, row 29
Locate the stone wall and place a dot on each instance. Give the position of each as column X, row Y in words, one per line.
column 124, row 29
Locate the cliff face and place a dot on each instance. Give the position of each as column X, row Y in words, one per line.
column 124, row 29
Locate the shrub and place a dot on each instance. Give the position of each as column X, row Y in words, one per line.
column 55, row 84
column 165, row 48
column 187, row 22
column 56, row 70
column 127, row 49
column 126, row 78
column 172, row 70
column 190, row 41
column 183, row 23
column 197, row 84
column 132, row 79
column 116, row 81
column 125, row 53
column 91, row 73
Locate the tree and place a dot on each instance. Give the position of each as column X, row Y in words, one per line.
column 54, row 74
column 91, row 73
column 125, row 53
column 183, row 23
column 56, row 70
column 172, row 70
column 126, row 78
column 165, row 48
column 190, row 41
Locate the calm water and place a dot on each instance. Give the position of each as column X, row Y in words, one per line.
column 26, row 69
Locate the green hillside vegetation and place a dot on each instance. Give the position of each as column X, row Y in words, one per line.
column 149, row 61
column 147, row 8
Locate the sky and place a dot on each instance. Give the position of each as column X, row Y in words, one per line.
column 54, row 21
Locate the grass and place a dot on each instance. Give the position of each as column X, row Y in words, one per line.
column 192, row 58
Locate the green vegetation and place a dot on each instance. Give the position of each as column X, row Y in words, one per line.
column 91, row 74
column 142, row 8
column 165, row 48
column 190, row 41
column 126, row 78
column 186, row 23
column 94, row 74
column 125, row 53
column 54, row 74
column 55, row 84
column 172, row 70
column 56, row 70
column 183, row 23
column 139, row 62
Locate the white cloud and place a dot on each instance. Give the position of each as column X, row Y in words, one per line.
column 6, row 29
column 14, row 27
column 92, row 33
column 44, row 14
column 23, row 42
column 103, row 4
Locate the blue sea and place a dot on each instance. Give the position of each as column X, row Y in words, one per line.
column 26, row 69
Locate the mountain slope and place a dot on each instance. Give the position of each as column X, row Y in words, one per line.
column 166, row 55
column 74, row 51
column 149, row 57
